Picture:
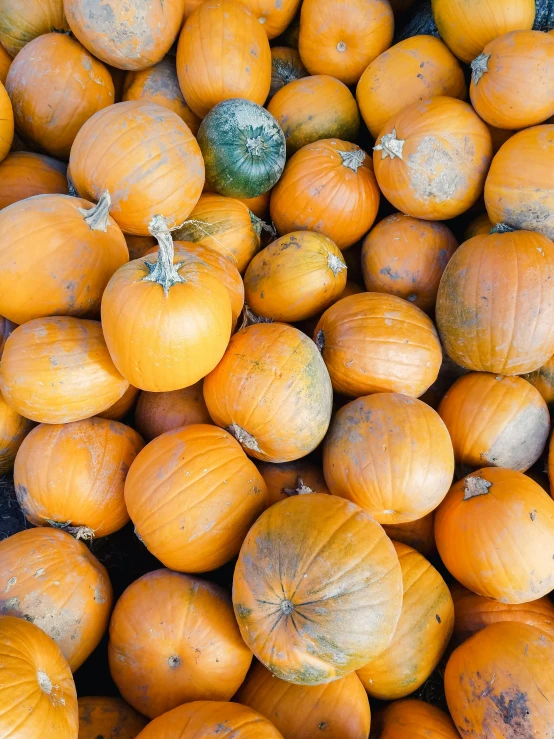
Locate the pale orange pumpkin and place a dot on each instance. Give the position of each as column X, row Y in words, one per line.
column 415, row 719
column 108, row 717
column 291, row 478
column 274, row 17
column 543, row 380
column 13, row 429
column 157, row 413
column 418, row 534
column 40, row 16
column 121, row 407
column 6, row 123
column 24, row 174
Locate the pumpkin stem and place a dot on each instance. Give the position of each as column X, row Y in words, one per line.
column 256, row 147
column 320, row 340
column 97, row 216
column 501, row 228
column 163, row 271
column 390, row 145
column 352, row 159
column 300, row 489
column 287, row 607
column 341, row 46
column 335, row 264
column 260, row 225
column 479, row 66
column 243, row 437
column 474, row 486
column 249, row 318
column 79, row 532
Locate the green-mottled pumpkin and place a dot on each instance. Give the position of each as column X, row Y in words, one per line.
column 544, row 15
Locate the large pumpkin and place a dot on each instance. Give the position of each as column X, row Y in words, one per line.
column 108, row 718
column 543, row 380
column 494, row 532
column 291, row 478
column 13, row 430
column 197, row 653
column 6, row 123
column 373, row 342
column 286, row 66
column 157, row 413
column 328, row 187
column 17, row 28
column 51, row 579
column 24, row 174
column 273, row 16
column 418, row 534
column 272, row 391
column 316, row 602
column 163, row 176
column 391, row 455
column 495, row 305
column 431, row 158
column 57, row 370
column 415, row 719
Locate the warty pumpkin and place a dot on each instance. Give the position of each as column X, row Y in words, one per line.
column 157, row 413
column 418, row 534
column 543, row 380
column 291, row 478
column 286, row 66
column 17, row 28
column 273, row 17
column 415, row 719
column 6, row 123
column 108, row 717
column 197, row 654
column 328, row 187
column 13, row 429
column 272, row 392
column 494, row 532
column 121, row 407
column 24, row 174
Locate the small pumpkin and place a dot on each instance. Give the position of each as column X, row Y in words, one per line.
column 543, row 380
column 415, row 719
column 121, row 407
column 24, row 174
column 6, row 123
column 286, row 66
column 197, row 654
column 108, row 717
column 157, row 413
column 480, row 226
column 273, row 17
column 40, row 17
column 291, row 478
column 418, row 534
column 13, row 430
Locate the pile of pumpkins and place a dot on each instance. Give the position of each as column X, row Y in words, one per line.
column 277, row 296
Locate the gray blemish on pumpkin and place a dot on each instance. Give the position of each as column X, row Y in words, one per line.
column 475, row 486
column 426, row 162
column 44, row 682
column 479, row 66
column 243, row 437
column 521, row 441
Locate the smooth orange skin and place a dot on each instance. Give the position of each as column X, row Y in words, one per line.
column 314, row 108
column 190, row 7
column 18, row 28
column 374, row 342
column 499, row 683
column 339, row 709
column 5, row 62
column 389, row 454
column 518, row 190
column 474, row 536
column 30, row 660
column 418, row 534
column 318, row 192
column 192, row 495
column 164, row 176
column 405, row 256
column 121, row 407
column 223, row 53
column 258, row 205
column 24, row 174
column 287, row 476
column 414, row 69
column 157, row 413
column 53, row 580
column 273, row 384
column 6, row 123
column 495, row 421
column 140, row 246
column 159, row 84
column 197, row 652
column 13, row 429
column 273, row 17
column 480, row 226
column 364, row 27
column 350, row 288
column 57, row 370
column 415, row 719
column 55, row 86
column 108, row 717
column 543, row 380
column 495, row 305
column 286, row 66
column 499, row 136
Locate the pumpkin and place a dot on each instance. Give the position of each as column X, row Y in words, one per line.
column 37, row 685
column 159, row 84
column 544, row 15
column 6, row 123
column 328, row 187
column 291, row 478
column 405, row 256
column 295, row 277
column 55, row 86
column 422, row 634
column 350, row 288
column 373, row 342
column 197, row 518
column 13, row 430
column 500, row 682
column 543, row 380
column 294, row 591
column 495, row 421
column 389, row 454
column 499, row 136
column 108, row 717
column 286, row 66
column 6, row 327
column 197, row 654
column 51, row 579
column 431, row 158
column 17, row 28
column 414, row 69
column 210, row 66
column 273, row 17
column 495, row 305
column 272, row 392
column 57, row 370
column 466, row 31
column 339, row 710
column 5, row 62
column 89, row 502
column 157, row 413
column 121, row 407
column 164, row 176
column 24, row 174
column 518, row 190
column 259, row 205
column 418, row 534
column 341, row 37
column 494, row 533
column 315, row 108
column 56, row 256
column 480, row 226
column 417, row 720
column 190, row 6
column 243, row 148
column 140, row 246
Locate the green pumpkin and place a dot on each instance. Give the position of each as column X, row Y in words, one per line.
column 243, row 148
column 544, row 18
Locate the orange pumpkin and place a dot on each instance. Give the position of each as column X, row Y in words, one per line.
column 341, row 37
column 272, row 391
column 209, row 67
column 108, row 717
column 6, row 327
column 157, row 413
column 415, row 719
column 197, row 653
column 339, row 710
column 121, row 407
column 5, row 62
column 431, row 158
column 315, row 108
column 197, row 518
column 24, row 174
column 51, row 579
column 416, row 68
column 373, row 342
column 494, row 533
column 190, row 6
column 480, row 226
column 258, row 205
column 13, row 429
column 37, row 685
column 350, row 288
column 18, row 28
column 495, row 305
column 543, row 380
column 328, row 187
column 6, row 123
column 495, row 421
column 273, row 17
column 500, row 683
column 140, row 246
column 291, row 478
column 499, row 136
column 57, row 370
column 286, row 66
column 418, row 534
column 391, row 455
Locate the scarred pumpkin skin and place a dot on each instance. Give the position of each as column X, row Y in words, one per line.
column 108, row 717
column 13, row 429
column 157, row 413
column 18, row 28
column 418, row 534
column 121, row 407
column 6, row 123
column 197, row 654
column 286, row 66
column 543, row 380
column 291, row 478
column 24, row 174
column 499, row 683
column 495, row 505
column 339, row 710
column 52, row 580
column 273, row 17
column 415, row 719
